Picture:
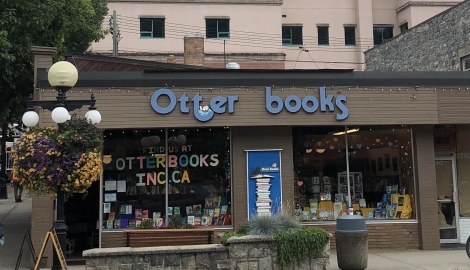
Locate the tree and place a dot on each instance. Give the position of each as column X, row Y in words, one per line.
column 68, row 25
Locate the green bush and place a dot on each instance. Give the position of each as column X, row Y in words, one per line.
column 270, row 225
column 298, row 245
column 226, row 235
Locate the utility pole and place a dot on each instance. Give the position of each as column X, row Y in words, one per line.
column 115, row 32
column 225, row 61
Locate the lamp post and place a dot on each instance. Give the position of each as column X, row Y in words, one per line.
column 62, row 76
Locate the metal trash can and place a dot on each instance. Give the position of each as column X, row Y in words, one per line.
column 3, row 189
column 351, row 242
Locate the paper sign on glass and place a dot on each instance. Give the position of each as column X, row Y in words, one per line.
column 110, row 197
column 110, row 185
column 121, row 186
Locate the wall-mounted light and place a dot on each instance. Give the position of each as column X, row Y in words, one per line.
column 320, row 151
column 308, row 150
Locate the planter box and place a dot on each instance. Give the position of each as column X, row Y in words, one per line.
column 246, row 252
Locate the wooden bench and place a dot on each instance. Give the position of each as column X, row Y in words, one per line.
column 168, row 237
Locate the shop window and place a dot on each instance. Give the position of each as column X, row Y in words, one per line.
column 199, row 178
column 292, row 35
column 323, row 35
column 381, row 178
column 152, row 27
column 350, row 35
column 382, row 34
column 218, row 28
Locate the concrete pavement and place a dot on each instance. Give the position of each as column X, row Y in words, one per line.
column 413, row 259
column 16, row 219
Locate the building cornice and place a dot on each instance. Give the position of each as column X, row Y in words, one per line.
column 224, row 2
column 426, row 3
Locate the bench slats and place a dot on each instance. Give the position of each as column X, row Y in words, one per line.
column 168, row 237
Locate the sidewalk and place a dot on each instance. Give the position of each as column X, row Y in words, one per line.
column 413, row 259
column 16, row 219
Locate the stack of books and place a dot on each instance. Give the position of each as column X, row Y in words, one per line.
column 263, row 202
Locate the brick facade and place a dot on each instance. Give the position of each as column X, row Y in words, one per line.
column 437, row 44
column 42, row 218
column 194, row 51
column 387, row 235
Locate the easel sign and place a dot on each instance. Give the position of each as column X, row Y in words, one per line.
column 55, row 242
column 27, row 237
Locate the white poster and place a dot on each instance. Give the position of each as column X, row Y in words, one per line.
column 110, row 197
column 121, row 186
column 110, row 185
column 106, row 208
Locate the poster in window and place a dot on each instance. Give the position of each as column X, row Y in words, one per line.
column 110, row 185
column 264, row 182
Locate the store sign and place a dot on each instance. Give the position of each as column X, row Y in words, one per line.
column 274, row 104
column 218, row 104
column 309, row 104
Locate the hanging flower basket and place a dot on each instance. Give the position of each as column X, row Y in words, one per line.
column 46, row 159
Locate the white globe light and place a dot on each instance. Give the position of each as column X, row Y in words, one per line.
column 60, row 115
column 62, row 73
column 30, row 119
column 93, row 116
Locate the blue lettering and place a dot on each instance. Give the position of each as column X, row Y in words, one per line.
column 269, row 102
column 231, row 103
column 218, row 104
column 154, row 101
column 184, row 103
column 296, row 107
column 340, row 103
column 306, row 101
column 326, row 100
column 201, row 113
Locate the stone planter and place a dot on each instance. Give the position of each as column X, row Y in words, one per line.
column 240, row 253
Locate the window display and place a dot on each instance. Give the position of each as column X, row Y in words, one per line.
column 381, row 182
column 199, row 178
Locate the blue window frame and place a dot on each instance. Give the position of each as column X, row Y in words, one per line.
column 152, row 27
column 292, row 35
column 218, row 28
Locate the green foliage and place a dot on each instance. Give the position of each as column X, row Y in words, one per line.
column 146, row 224
column 68, row 25
column 80, row 136
column 176, row 222
column 298, row 245
column 270, row 225
column 226, row 235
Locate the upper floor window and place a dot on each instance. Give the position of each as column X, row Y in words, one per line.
column 152, row 27
column 323, row 35
column 404, row 27
column 350, row 35
column 382, row 34
column 466, row 63
column 292, row 35
column 217, row 28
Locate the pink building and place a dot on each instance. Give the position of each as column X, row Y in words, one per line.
column 301, row 34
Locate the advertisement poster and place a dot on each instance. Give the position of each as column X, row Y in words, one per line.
column 264, row 182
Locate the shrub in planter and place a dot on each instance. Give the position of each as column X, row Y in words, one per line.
column 295, row 243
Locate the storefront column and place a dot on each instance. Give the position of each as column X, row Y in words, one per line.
column 249, row 138
column 426, row 187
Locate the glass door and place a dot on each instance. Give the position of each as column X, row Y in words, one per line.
column 447, row 199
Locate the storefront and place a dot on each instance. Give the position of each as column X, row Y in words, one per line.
column 216, row 146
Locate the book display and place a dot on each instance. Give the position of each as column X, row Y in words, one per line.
column 377, row 159
column 143, row 189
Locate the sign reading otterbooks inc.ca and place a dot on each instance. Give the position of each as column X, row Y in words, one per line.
column 274, row 104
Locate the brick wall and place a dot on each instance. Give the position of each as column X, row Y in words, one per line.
column 434, row 45
column 426, row 187
column 194, row 51
column 42, row 218
column 385, row 235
